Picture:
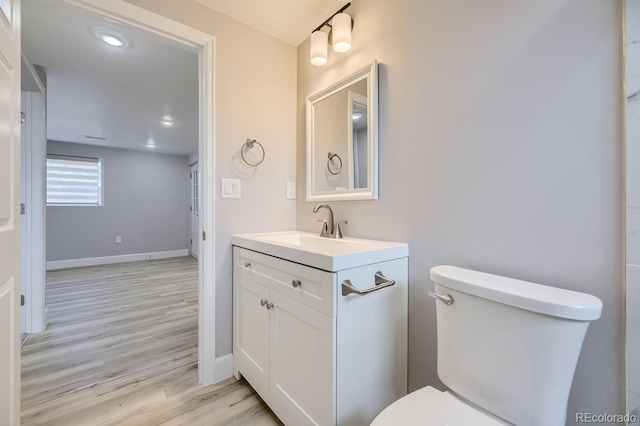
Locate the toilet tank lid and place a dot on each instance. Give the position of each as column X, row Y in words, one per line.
column 539, row 298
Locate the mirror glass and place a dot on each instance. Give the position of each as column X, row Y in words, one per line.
column 342, row 139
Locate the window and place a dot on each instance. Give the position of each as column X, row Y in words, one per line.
column 74, row 181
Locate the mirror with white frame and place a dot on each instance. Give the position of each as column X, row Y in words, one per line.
column 342, row 139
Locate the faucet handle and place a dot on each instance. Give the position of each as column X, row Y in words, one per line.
column 325, row 226
column 338, row 230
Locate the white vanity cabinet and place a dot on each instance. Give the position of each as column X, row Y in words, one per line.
column 317, row 357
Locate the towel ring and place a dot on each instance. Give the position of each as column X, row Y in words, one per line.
column 249, row 144
column 330, row 157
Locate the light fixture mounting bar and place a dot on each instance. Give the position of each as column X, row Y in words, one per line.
column 331, row 17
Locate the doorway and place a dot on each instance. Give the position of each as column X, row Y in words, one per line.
column 122, row 13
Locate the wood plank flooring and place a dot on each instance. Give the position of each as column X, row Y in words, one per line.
column 121, row 349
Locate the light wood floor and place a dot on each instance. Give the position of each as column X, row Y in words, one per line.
column 121, row 349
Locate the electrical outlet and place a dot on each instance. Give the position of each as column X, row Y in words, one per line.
column 118, row 239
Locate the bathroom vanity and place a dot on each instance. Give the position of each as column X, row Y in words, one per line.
column 320, row 325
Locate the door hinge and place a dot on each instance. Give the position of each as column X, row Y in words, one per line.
column 191, row 241
column 23, row 117
column 22, row 300
column 190, row 208
column 204, row 236
column 23, row 209
column 190, row 175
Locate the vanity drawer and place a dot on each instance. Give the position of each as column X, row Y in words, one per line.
column 316, row 288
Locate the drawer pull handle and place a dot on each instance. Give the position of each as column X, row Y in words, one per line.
column 296, row 283
column 247, row 265
column 380, row 282
column 263, row 302
column 269, row 305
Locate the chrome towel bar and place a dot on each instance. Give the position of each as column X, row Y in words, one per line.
column 380, row 283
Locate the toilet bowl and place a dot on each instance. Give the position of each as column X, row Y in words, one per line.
column 496, row 338
column 429, row 406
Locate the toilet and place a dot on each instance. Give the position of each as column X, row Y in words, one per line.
column 507, row 351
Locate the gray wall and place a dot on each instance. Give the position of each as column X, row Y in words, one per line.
column 146, row 202
column 500, row 150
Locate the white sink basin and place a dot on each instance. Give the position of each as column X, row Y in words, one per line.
column 330, row 254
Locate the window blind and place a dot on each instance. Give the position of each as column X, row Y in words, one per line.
column 74, row 181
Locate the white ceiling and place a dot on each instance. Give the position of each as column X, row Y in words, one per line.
column 121, row 94
column 117, row 93
column 291, row 21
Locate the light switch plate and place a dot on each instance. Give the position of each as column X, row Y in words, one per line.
column 291, row 190
column 230, row 188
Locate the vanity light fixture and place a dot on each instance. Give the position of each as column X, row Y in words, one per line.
column 109, row 36
column 319, row 40
column 340, row 25
column 341, row 32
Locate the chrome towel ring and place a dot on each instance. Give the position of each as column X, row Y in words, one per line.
column 249, row 145
column 330, row 157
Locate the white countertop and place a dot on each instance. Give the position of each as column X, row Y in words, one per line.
column 329, row 254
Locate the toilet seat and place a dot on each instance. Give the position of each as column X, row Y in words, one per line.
column 429, row 406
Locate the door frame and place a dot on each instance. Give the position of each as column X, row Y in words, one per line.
column 204, row 45
column 33, row 181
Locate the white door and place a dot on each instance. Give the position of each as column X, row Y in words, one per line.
column 10, row 212
column 195, row 208
column 302, row 361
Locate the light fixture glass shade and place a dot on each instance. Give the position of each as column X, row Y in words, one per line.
column 341, row 32
column 319, row 41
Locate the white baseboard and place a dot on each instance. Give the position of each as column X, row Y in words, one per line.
column 224, row 367
column 135, row 257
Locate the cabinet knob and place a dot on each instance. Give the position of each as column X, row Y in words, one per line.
column 263, row 302
column 247, row 265
column 296, row 283
column 269, row 305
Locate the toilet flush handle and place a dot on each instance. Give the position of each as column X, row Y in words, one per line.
column 446, row 298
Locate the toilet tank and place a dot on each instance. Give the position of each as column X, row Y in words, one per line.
column 510, row 346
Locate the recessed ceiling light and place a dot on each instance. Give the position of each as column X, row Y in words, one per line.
column 110, row 37
column 151, row 144
column 167, row 121
column 357, row 115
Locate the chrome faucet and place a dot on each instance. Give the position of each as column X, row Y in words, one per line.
column 330, row 229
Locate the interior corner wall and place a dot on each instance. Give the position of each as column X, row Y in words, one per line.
column 255, row 97
column 500, row 150
column 632, row 47
column 146, row 202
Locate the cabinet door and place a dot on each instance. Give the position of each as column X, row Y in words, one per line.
column 302, row 361
column 251, row 331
